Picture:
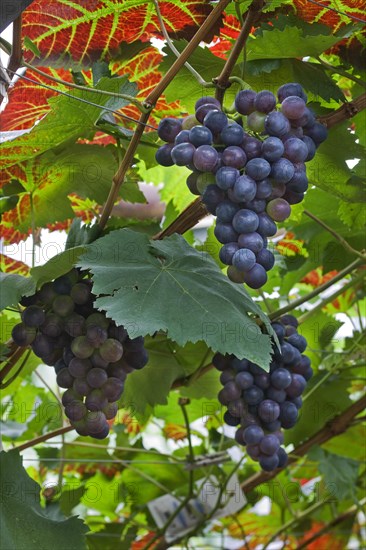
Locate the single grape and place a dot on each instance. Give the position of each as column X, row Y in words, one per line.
column 298, row 183
column 62, row 285
column 81, row 386
column 256, row 121
column 33, row 316
column 79, row 368
column 234, row 156
column 59, row 365
column 64, row 379
column 96, row 377
column 269, row 463
column 47, row 293
column 266, row 226
column 81, row 293
column 282, row 458
column 42, row 345
column 282, row 171
column 231, row 420
column 252, row 147
column 281, row 378
column 244, row 102
column 237, row 407
column 278, row 209
column 200, row 135
column 269, row 444
column 279, row 329
column 117, row 370
column 169, row 128
column 239, row 436
column 290, row 89
column 227, row 375
column 81, row 347
column 262, row 380
column 23, row 335
column 268, row 410
column 272, row 149
column 266, row 259
column 276, row 395
column 235, row 275
column 95, row 422
column 252, row 241
column 302, row 366
column 297, row 401
column 256, row 277
column 293, row 107
column 229, row 392
column 239, row 365
column 182, row 137
column 216, row 121
column 253, row 435
column 182, row 154
column 297, row 386
column 256, row 205
column 112, row 389
column 191, row 182
column 110, row 410
column 253, row 451
column 76, row 410
column 225, row 233
column 97, row 319
column 265, row 101
column 96, row 400
column 276, row 124
column 53, row 325
column 310, row 146
column 297, row 341
column 70, row 396
column 97, row 360
column 221, row 362
column 227, row 252
column 318, row 133
column 163, row 155
column 244, row 380
column 288, row 414
column 258, row 169
column 63, row 305
column 226, row 210
column 233, row 134
column 253, row 395
column 205, row 158
column 226, row 177
column 244, row 259
column 245, row 221
column 295, row 150
column 244, row 189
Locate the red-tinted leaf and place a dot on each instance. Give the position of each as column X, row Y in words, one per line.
column 175, row 431
column 13, row 218
column 94, row 29
column 312, row 12
column 144, row 541
column 9, row 265
column 229, row 31
column 28, row 101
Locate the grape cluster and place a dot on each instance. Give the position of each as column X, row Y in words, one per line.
column 247, row 179
column 91, row 355
column 262, row 403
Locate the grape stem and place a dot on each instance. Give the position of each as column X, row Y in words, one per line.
column 346, row 111
column 13, row 359
column 44, row 437
column 149, row 103
column 222, row 81
column 15, row 52
column 338, row 237
column 296, row 303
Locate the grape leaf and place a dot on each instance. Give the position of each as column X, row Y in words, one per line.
column 56, row 266
column 334, row 19
column 9, row 265
column 13, row 287
column 340, row 473
column 68, row 120
column 83, row 32
column 24, row 524
column 167, row 285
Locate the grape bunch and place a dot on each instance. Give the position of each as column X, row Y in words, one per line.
column 91, row 355
column 247, row 179
column 262, row 403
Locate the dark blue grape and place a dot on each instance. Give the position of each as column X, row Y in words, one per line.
column 79, row 368
column 231, row 420
column 317, row 132
column 266, row 259
column 265, row 101
column 278, row 209
column 216, row 121
column 205, row 158
column 245, row 221
column 33, row 316
column 253, row 451
column 221, row 362
column 182, row 154
column 288, row 353
column 226, row 177
column 311, row 147
column 257, row 205
column 227, row 375
column 282, row 458
column 253, row 435
column 293, row 107
column 205, row 100
column 253, row 395
column 298, row 182
column 297, row 401
column 271, row 427
column 200, row 135
column 237, row 407
column 256, row 277
column 204, row 109
column 292, row 197
column 266, row 226
column 295, row 150
column 258, row 169
column 191, row 182
column 233, row 134
column 169, row 128
column 290, row 89
column 276, row 124
column 227, row 252
column 269, row 444
column 225, row 233
column 244, row 189
column 23, row 335
column 230, row 392
column 297, row 386
column 212, row 197
column 282, row 171
column 272, row 149
column 244, row 380
column 244, row 102
column 281, row 379
column 262, row 380
column 252, row 147
column 226, row 210
column 239, row 436
column 240, row 365
column 297, row 341
column 264, row 189
column 268, row 410
column 279, row 329
column 253, row 241
column 288, row 414
column 182, row 137
column 244, row 259
column 234, row 156
column 276, row 395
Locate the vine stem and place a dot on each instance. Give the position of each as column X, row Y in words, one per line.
column 346, row 111
column 13, row 359
column 332, row 523
column 222, row 81
column 44, row 437
column 338, row 237
column 296, row 303
column 176, row 52
column 149, row 104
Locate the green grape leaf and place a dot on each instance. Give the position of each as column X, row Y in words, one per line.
column 13, row 287
column 24, row 524
column 168, row 285
column 339, row 473
column 56, row 266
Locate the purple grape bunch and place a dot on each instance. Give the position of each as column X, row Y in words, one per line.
column 261, row 404
column 91, row 355
column 247, row 179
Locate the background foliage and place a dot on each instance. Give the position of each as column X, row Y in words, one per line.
column 61, row 147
